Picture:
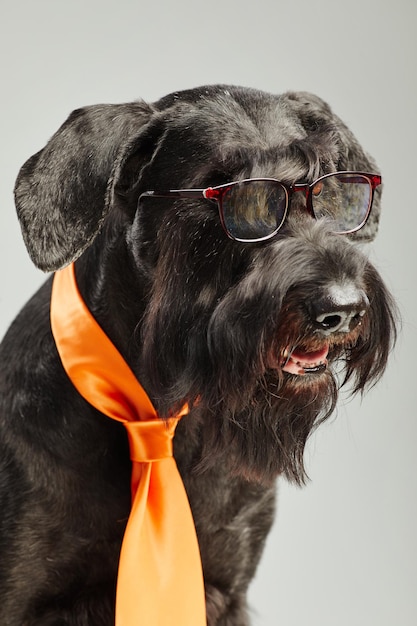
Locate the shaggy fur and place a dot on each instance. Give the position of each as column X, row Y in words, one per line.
column 199, row 318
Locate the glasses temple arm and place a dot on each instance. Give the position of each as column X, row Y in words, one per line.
column 174, row 193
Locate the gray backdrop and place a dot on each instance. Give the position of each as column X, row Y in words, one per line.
column 343, row 549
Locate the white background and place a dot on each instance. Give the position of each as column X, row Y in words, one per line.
column 343, row 549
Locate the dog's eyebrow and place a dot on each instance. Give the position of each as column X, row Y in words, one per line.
column 297, row 161
column 236, row 158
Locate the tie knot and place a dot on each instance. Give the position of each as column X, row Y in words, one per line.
column 151, row 440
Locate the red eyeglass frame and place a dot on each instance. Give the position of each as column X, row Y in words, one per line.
column 217, row 193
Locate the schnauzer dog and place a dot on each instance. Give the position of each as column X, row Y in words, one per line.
column 214, row 235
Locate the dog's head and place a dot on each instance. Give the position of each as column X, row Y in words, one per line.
column 249, row 333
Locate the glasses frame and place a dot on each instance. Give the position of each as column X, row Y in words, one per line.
column 217, row 193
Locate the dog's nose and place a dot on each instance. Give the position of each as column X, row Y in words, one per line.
column 339, row 311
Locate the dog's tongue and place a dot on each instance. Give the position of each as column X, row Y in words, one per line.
column 301, row 362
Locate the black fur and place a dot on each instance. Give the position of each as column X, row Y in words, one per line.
column 199, row 318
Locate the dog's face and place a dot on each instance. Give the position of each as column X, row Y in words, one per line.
column 249, row 334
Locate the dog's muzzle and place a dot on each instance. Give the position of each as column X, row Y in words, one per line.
column 337, row 313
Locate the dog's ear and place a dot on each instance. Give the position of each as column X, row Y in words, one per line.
column 315, row 114
column 64, row 192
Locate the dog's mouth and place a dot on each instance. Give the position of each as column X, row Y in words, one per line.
column 299, row 361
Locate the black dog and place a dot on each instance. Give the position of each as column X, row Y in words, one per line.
column 254, row 310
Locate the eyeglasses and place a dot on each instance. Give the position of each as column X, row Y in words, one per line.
column 255, row 209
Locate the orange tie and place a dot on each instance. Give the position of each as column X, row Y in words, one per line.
column 160, row 579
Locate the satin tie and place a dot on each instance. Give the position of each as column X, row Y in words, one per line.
column 160, row 579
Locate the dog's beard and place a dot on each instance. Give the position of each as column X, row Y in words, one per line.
column 267, row 435
column 224, row 355
column 265, row 414
column 254, row 419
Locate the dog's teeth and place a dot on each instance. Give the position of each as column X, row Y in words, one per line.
column 298, row 366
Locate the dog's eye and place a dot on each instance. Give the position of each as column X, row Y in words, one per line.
column 317, row 189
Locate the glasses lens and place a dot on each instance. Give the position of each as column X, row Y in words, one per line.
column 344, row 199
column 254, row 210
